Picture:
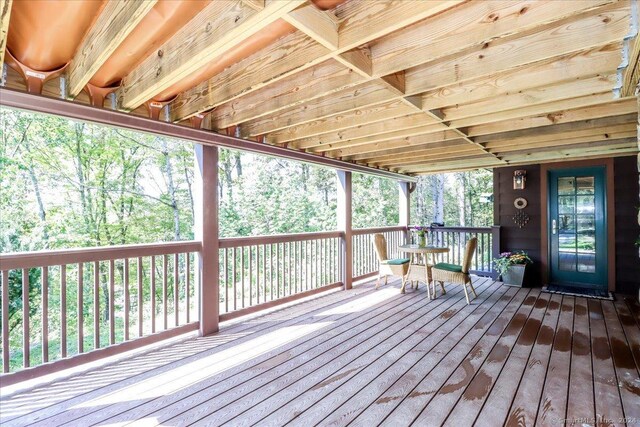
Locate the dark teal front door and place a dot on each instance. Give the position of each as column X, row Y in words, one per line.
column 578, row 227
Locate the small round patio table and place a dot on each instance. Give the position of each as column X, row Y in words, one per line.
column 421, row 263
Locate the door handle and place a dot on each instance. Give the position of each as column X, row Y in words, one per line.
column 554, row 227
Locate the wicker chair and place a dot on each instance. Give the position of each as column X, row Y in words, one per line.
column 388, row 267
column 457, row 274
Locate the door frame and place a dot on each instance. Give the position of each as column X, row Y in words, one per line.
column 610, row 214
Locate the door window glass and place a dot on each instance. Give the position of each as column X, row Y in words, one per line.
column 576, row 224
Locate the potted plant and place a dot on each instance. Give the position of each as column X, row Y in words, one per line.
column 511, row 266
column 421, row 234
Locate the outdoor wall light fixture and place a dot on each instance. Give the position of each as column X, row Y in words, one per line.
column 519, row 179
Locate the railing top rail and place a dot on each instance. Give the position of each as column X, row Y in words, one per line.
column 358, row 231
column 462, row 229
column 231, row 242
column 19, row 260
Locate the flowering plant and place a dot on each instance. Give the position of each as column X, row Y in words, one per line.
column 507, row 259
column 420, row 230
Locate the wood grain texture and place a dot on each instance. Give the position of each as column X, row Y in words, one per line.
column 116, row 21
column 609, row 25
column 5, row 17
column 368, row 357
column 468, row 26
column 212, row 32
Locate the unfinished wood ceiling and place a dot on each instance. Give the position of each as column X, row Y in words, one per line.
column 406, row 85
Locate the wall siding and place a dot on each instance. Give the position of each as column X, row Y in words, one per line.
column 513, row 238
column 529, row 239
column 627, row 228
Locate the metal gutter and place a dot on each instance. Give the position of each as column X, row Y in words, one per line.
column 58, row 107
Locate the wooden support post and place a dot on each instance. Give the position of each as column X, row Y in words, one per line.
column 404, row 207
column 345, row 225
column 206, row 231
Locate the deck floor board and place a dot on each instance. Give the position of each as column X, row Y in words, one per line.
column 372, row 357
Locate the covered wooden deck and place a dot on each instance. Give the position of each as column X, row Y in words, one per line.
column 364, row 357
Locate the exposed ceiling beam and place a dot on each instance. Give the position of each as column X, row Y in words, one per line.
column 278, row 61
column 609, row 25
column 550, row 107
column 399, row 127
column 553, row 130
column 360, row 117
column 359, row 25
column 471, row 25
column 353, row 98
column 216, row 29
column 536, row 96
column 320, row 25
column 326, row 78
column 73, row 110
column 631, row 76
column 536, row 121
column 5, row 17
column 602, row 60
column 437, row 136
column 116, row 21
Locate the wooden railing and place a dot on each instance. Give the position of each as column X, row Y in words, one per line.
column 455, row 238
column 94, row 302
column 256, row 272
column 365, row 259
column 104, row 296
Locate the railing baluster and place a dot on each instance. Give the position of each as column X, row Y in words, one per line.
column 126, row 299
column 187, row 284
column 112, row 285
column 176, row 289
column 140, row 299
column 250, row 276
column 242, row 274
column 25, row 318
column 153, row 294
column 271, row 270
column 5, row 321
column 165, row 285
column 233, row 273
column 96, row 305
column 225, row 281
column 63, row 311
column 258, row 275
column 80, row 313
column 45, row 314
column 279, row 270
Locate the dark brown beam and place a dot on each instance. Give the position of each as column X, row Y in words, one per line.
column 41, row 104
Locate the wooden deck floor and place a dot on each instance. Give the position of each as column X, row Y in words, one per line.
column 366, row 357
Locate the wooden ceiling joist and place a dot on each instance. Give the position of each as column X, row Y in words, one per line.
column 555, row 117
column 438, row 136
column 351, row 35
column 468, row 26
column 553, row 131
column 5, row 16
column 116, row 21
column 219, row 27
column 593, row 62
column 607, row 25
column 410, row 86
column 352, row 119
column 368, row 130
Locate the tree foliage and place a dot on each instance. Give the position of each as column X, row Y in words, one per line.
column 67, row 184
